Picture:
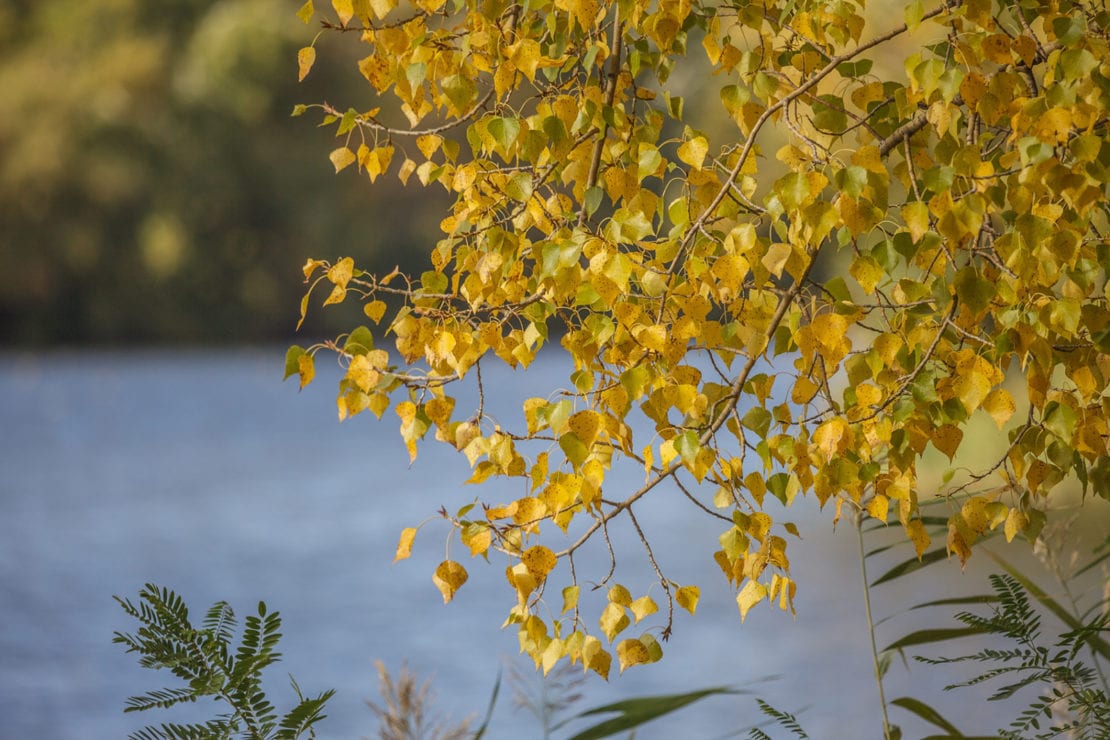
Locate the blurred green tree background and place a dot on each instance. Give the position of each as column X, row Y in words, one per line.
column 153, row 187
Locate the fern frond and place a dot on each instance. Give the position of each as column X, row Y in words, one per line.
column 302, row 717
column 202, row 658
column 213, row 730
column 785, row 719
column 160, row 699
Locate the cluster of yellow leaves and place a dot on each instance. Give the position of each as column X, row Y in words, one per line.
column 809, row 300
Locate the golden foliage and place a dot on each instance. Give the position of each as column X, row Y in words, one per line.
column 927, row 247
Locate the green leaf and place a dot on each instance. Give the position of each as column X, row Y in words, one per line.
column 593, row 199
column 686, row 444
column 927, row 636
column 927, row 713
column 359, row 342
column 913, row 14
column 639, row 711
column 911, row 565
column 504, row 131
column 974, row 290
column 292, row 358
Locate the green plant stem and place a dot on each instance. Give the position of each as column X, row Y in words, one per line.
column 871, row 624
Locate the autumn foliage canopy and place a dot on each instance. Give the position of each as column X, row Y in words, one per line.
column 869, row 230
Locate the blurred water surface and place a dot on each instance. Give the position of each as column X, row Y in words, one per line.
column 202, row 472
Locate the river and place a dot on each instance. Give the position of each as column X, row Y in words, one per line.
column 203, row 472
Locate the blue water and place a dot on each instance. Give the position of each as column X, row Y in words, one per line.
column 203, row 472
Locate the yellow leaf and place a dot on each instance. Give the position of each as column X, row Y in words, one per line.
column 916, row 215
column 381, row 8
column 374, row 310
column 613, row 620
column 539, row 561
column 529, row 511
column 306, row 11
column 915, row 530
column 687, row 597
column 947, row 438
column 338, row 293
column 829, row 437
column 555, row 650
column 1000, row 405
column 585, row 425
column 867, row 272
column 804, row 391
column 693, row 151
column 972, row 388
column 975, row 514
column 570, row 598
column 618, row 594
column 598, row 660
column 429, row 144
column 449, row 578
column 642, row 607
column 310, row 267
column 652, row 337
column 477, row 538
column 752, row 593
column 878, row 506
column 1016, row 521
column 306, row 369
column 306, row 57
column 957, row 543
column 404, row 546
column 345, row 9
column 776, row 258
column 520, row 579
column 525, row 56
column 363, row 375
column 868, row 395
column 342, row 158
column 632, row 652
column 438, row 410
